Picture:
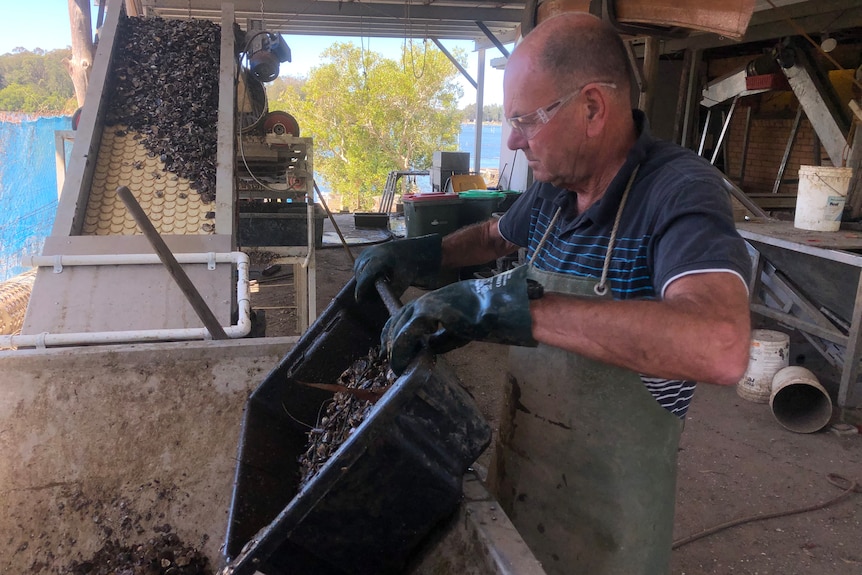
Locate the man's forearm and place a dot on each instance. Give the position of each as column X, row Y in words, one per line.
column 702, row 337
column 473, row 245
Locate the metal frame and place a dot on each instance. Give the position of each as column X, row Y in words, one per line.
column 447, row 19
column 746, row 139
column 774, row 297
column 302, row 258
column 791, row 139
column 724, row 128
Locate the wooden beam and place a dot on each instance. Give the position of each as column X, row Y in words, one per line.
column 812, row 16
column 650, row 75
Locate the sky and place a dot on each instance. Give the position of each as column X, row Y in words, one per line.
column 45, row 24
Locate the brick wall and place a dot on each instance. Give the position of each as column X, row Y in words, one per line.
column 768, row 138
column 772, row 115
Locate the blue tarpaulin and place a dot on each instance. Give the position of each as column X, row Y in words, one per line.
column 28, row 186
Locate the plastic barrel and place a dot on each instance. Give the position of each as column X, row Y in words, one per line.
column 820, row 197
column 770, row 352
column 434, row 213
column 798, row 401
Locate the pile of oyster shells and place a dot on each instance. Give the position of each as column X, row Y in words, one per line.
column 165, row 76
column 370, row 376
column 163, row 553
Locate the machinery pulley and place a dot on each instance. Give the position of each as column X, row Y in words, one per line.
column 281, row 124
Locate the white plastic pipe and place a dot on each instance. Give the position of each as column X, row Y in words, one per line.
column 41, row 340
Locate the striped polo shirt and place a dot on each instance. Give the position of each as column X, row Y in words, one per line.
column 677, row 220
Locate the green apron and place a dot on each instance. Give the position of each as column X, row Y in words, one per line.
column 585, row 464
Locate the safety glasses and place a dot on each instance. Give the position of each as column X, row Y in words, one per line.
column 528, row 125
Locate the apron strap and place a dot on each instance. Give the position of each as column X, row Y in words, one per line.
column 545, row 237
column 600, row 288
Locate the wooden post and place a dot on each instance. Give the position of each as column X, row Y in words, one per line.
column 682, row 97
column 650, row 75
column 692, row 109
column 854, row 192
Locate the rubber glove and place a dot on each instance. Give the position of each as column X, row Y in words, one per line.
column 401, row 263
column 495, row 309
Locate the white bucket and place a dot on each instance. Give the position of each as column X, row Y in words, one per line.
column 820, row 197
column 770, row 352
column 798, row 401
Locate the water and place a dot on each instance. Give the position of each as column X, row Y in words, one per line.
column 491, row 142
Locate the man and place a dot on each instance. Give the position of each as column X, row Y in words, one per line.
column 642, row 294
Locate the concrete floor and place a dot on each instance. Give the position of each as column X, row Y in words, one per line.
column 736, row 462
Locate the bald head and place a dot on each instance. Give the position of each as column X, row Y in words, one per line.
column 566, row 90
column 576, row 47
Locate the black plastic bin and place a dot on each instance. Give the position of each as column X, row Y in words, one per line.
column 431, row 213
column 278, row 224
column 386, row 487
column 371, row 220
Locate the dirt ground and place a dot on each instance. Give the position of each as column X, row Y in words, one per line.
column 735, row 463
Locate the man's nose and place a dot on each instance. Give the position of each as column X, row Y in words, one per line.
column 516, row 140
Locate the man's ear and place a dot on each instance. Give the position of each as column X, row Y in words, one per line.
column 597, row 109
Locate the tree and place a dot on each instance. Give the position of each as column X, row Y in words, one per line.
column 35, row 82
column 83, row 50
column 468, row 112
column 490, row 113
column 27, row 98
column 370, row 115
column 44, row 71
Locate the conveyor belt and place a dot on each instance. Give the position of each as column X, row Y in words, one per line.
column 168, row 200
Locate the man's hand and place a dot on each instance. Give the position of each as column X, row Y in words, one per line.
column 400, row 262
column 494, row 310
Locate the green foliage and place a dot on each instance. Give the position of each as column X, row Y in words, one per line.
column 490, row 113
column 36, row 82
column 21, row 98
column 370, row 115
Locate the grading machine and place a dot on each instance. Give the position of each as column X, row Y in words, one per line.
column 172, row 107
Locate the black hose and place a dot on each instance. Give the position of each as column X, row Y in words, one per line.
column 833, row 478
